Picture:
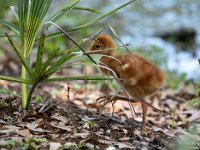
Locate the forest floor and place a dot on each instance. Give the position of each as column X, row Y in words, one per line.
column 67, row 116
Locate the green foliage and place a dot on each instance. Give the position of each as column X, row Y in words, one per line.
column 9, row 92
column 9, row 144
column 115, row 86
column 196, row 101
column 72, row 145
column 174, row 117
column 2, row 104
column 32, row 143
column 174, row 79
column 32, row 26
column 91, row 123
column 8, row 119
column 197, row 89
column 38, row 98
column 189, row 140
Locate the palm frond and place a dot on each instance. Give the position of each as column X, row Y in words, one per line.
column 21, row 57
column 15, row 12
column 12, row 79
column 87, row 9
column 38, row 62
column 92, row 21
column 38, row 10
column 78, row 78
column 10, row 25
column 57, row 15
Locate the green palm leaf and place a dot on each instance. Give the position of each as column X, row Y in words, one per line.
column 10, row 25
column 21, row 57
column 57, row 15
column 15, row 79
column 78, row 78
column 38, row 63
column 92, row 21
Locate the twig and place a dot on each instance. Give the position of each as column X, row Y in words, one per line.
column 124, row 45
column 69, row 37
column 118, row 97
column 68, row 91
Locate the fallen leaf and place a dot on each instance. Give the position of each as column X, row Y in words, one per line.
column 83, row 135
column 54, row 145
column 107, row 142
column 124, row 139
column 59, row 117
column 25, row 133
column 124, row 145
column 66, row 128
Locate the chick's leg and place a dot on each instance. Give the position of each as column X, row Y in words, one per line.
column 111, row 98
column 144, row 109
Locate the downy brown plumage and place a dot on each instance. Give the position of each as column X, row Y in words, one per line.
column 139, row 77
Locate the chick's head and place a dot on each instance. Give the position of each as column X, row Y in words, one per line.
column 103, row 44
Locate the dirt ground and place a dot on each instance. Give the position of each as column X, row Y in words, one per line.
column 66, row 115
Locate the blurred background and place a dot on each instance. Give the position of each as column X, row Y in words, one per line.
column 167, row 32
column 164, row 30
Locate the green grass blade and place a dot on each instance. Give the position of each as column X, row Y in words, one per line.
column 23, row 11
column 59, row 14
column 11, row 35
column 55, row 53
column 93, row 21
column 38, row 63
column 48, row 61
column 57, row 65
column 67, row 54
column 10, row 25
column 87, row 9
column 32, row 23
column 38, row 10
column 70, row 38
column 15, row 79
column 14, row 10
column 102, row 16
column 21, row 57
column 78, row 78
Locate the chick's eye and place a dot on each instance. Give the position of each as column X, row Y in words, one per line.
column 97, row 46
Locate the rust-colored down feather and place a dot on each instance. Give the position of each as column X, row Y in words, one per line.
column 139, row 77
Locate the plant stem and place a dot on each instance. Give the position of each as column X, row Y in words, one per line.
column 24, row 87
column 30, row 95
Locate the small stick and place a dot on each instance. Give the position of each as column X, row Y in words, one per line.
column 103, row 98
